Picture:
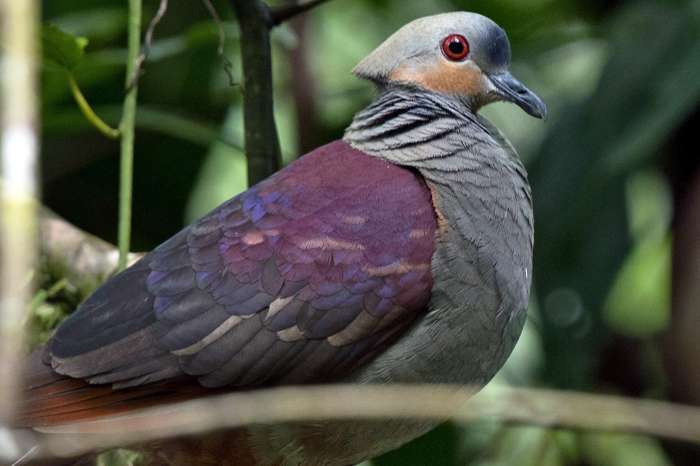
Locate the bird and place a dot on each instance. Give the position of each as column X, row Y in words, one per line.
column 401, row 253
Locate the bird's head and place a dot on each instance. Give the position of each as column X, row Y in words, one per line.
column 460, row 54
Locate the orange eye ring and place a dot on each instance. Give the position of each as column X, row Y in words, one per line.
column 455, row 47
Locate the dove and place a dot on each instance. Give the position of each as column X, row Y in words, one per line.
column 401, row 253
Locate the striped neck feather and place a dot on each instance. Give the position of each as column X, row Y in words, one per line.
column 434, row 133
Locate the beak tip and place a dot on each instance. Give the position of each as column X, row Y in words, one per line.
column 533, row 105
column 514, row 91
column 541, row 112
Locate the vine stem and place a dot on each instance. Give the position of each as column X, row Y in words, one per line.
column 89, row 113
column 127, row 131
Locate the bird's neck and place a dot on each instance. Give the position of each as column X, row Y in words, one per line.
column 483, row 256
column 439, row 135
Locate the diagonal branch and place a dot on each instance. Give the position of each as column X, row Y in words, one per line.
column 286, row 12
column 352, row 402
column 147, row 43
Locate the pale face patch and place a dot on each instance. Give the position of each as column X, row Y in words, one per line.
column 463, row 78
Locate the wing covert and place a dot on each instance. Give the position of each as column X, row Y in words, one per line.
column 299, row 279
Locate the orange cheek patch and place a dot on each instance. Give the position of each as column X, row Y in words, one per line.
column 444, row 77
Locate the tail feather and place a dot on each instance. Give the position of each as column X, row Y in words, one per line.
column 51, row 399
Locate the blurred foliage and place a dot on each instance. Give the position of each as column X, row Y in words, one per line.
column 61, row 49
column 48, row 307
column 620, row 78
column 120, row 457
column 647, row 268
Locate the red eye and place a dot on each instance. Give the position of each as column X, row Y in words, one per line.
column 455, row 47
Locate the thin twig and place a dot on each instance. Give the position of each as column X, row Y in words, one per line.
column 351, row 402
column 147, row 43
column 30, row 453
column 228, row 66
column 219, row 25
column 287, row 12
column 18, row 190
column 127, row 130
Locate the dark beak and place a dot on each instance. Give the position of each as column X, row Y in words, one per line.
column 512, row 90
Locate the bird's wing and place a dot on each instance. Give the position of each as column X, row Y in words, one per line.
column 302, row 278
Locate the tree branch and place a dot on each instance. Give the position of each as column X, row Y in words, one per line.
column 69, row 252
column 354, row 402
column 261, row 140
column 286, row 12
column 255, row 20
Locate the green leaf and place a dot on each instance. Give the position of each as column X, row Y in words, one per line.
column 60, row 49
